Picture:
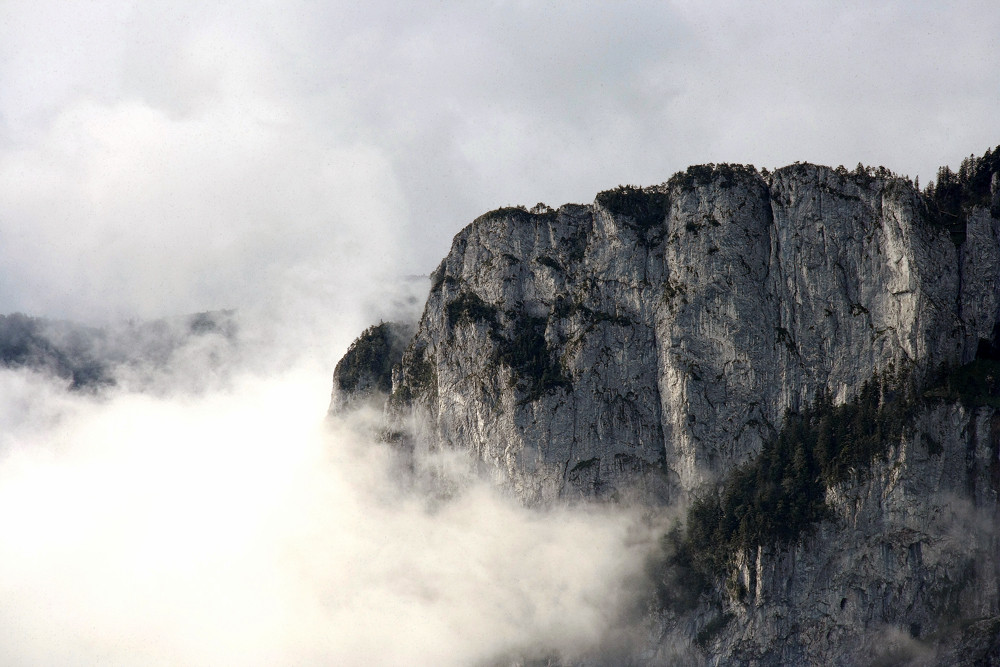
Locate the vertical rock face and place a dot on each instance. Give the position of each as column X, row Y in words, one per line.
column 652, row 340
column 539, row 336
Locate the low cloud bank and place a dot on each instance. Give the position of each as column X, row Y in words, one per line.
column 238, row 526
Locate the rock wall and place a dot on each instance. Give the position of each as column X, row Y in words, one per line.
column 647, row 344
column 651, row 341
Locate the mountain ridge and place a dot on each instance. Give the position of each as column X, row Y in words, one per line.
column 654, row 343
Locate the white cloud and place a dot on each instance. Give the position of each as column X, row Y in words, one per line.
column 237, row 141
column 158, row 215
column 236, row 529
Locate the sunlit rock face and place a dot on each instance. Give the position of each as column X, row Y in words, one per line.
column 649, row 342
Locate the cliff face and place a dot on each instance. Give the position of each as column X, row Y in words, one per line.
column 654, row 339
column 651, row 343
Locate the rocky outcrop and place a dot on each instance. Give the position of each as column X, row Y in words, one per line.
column 654, row 339
column 364, row 373
column 650, row 344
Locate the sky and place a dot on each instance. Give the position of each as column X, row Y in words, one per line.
column 172, row 157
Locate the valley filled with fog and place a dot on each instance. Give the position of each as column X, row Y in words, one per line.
column 230, row 521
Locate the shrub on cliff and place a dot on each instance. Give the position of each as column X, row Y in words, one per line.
column 646, row 207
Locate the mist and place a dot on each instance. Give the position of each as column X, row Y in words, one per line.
column 163, row 158
column 234, row 523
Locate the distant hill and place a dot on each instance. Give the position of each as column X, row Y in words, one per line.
column 87, row 357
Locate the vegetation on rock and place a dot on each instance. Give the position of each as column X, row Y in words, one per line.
column 703, row 174
column 528, row 354
column 519, row 213
column 950, row 197
column 470, row 307
column 780, row 495
column 368, row 362
column 647, row 207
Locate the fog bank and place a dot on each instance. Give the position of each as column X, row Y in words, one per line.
column 238, row 526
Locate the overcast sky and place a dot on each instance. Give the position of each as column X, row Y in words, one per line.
column 167, row 157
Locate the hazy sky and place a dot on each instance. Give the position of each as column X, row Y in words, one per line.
column 163, row 157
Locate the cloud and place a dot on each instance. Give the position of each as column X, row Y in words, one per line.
column 157, row 215
column 182, row 157
column 236, row 527
column 293, row 160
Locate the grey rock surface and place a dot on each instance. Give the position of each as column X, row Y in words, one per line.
column 646, row 345
column 584, row 352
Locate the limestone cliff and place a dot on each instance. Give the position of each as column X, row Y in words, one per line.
column 656, row 337
column 649, row 344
